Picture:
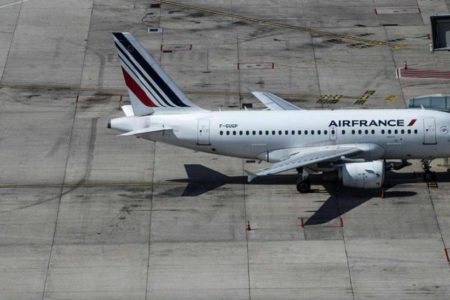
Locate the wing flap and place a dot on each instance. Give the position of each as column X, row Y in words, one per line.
column 273, row 102
column 306, row 157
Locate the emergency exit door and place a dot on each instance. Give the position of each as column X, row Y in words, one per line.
column 203, row 136
column 429, row 131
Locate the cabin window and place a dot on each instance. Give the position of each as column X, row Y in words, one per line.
column 353, row 131
column 267, row 132
column 373, row 131
column 280, row 132
column 359, row 131
column 234, row 132
column 343, row 132
column 221, row 132
column 312, row 132
column 333, row 132
column 382, row 131
column 416, row 131
column 286, row 132
column 228, row 133
column 273, row 132
column 299, row 132
column 403, row 131
column 409, row 131
column 325, row 132
column 293, row 132
column 260, row 132
column 366, row 131
column 395, row 131
column 254, row 132
column 306, row 132
column 389, row 131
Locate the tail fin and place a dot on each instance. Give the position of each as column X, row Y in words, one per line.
column 149, row 87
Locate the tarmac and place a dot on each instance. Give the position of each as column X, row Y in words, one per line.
column 85, row 214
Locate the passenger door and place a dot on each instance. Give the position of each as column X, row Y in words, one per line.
column 429, row 131
column 203, row 135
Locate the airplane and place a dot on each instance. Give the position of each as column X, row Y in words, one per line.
column 352, row 144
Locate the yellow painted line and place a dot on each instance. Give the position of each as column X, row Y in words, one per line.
column 391, row 98
column 270, row 23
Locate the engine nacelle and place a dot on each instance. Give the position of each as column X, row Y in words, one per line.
column 364, row 175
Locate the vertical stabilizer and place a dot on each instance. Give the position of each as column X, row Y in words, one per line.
column 149, row 87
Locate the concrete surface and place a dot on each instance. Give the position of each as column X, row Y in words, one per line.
column 85, row 214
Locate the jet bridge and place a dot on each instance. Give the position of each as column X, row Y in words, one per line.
column 435, row 102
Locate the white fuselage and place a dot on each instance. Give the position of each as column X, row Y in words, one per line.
column 400, row 133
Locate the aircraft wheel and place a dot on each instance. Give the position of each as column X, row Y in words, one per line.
column 304, row 186
column 429, row 176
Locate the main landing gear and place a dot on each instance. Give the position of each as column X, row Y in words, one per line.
column 303, row 183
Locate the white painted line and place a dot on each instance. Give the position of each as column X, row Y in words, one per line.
column 13, row 3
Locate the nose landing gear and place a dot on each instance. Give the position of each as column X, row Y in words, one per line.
column 428, row 175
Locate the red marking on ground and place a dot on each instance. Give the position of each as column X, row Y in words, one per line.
column 418, row 73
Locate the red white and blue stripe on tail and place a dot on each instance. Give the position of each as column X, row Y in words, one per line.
column 149, row 87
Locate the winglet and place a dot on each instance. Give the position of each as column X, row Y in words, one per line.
column 250, row 176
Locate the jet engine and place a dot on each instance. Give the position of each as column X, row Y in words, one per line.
column 364, row 175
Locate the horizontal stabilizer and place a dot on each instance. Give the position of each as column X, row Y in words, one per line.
column 128, row 110
column 152, row 129
column 273, row 102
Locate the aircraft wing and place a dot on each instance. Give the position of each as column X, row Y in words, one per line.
column 308, row 156
column 273, row 102
column 152, row 129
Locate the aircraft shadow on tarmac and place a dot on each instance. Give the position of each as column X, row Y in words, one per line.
column 202, row 179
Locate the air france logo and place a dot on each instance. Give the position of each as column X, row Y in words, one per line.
column 371, row 123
